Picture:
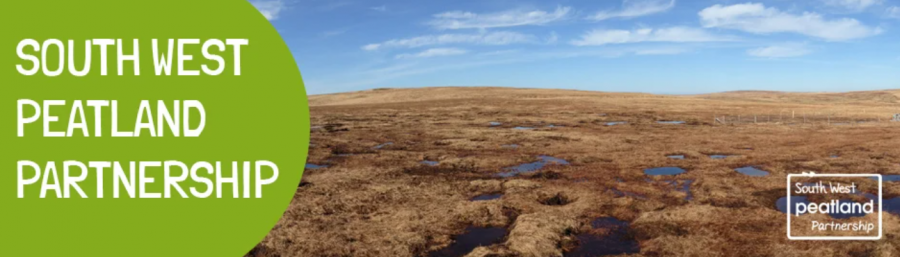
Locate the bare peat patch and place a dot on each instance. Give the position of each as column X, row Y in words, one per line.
column 558, row 199
column 472, row 238
column 608, row 236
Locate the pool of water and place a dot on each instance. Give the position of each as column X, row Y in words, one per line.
column 472, row 238
column 495, row 123
column 531, row 167
column 613, row 123
column 676, row 156
column 383, row 145
column 892, row 205
column 664, row 171
column 670, row 122
column 608, row 236
column 311, row 166
column 511, row 146
column 523, row 128
column 752, row 171
column 888, row 178
column 686, row 188
column 620, row 193
column 486, row 197
column 719, row 156
column 781, row 204
column 430, row 163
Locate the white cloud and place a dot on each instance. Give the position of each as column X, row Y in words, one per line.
column 488, row 38
column 660, row 51
column 853, row 5
column 553, row 38
column 512, row 18
column 332, row 33
column 893, row 12
column 671, row 34
column 270, row 9
column 756, row 18
column 780, row 51
column 379, row 8
column 636, row 8
column 433, row 52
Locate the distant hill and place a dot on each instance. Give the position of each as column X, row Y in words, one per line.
column 383, row 96
column 811, row 98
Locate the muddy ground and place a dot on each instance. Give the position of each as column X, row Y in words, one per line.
column 374, row 196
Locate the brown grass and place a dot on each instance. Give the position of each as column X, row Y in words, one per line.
column 385, row 203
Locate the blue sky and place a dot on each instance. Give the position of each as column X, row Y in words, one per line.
column 655, row 46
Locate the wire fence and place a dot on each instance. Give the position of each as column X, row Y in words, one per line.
column 792, row 118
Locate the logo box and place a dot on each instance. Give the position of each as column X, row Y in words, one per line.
column 836, row 238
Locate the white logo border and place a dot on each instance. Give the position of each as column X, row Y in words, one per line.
column 837, row 238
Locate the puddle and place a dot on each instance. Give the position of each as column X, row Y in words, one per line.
column 486, row 197
column 676, row 156
column 670, row 122
column 429, row 163
column 531, row 167
column 310, row 166
column 383, row 145
column 523, row 128
column 854, row 213
column 892, row 205
column 888, row 178
column 494, row 123
column 781, row 204
column 554, row 126
column 719, row 156
column 752, row 171
column 834, row 156
column 616, row 123
column 608, row 236
column 664, row 171
column 686, row 188
column 472, row 238
column 511, row 146
column 620, row 193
